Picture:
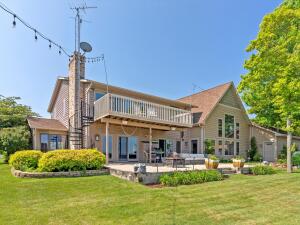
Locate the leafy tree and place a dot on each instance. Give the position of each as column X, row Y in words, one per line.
column 271, row 88
column 13, row 114
column 14, row 139
column 209, row 146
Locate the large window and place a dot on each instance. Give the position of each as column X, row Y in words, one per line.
column 237, row 148
column 132, row 148
column 220, row 127
column 229, row 126
column 109, row 145
column 44, row 142
column 194, row 145
column 220, row 147
column 229, row 147
column 209, row 146
column 237, row 130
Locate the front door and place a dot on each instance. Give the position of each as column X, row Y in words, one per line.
column 268, row 152
column 162, row 146
column 194, row 144
column 128, row 148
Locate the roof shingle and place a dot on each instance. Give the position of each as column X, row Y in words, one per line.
column 46, row 124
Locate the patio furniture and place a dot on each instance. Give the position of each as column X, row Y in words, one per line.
column 174, row 161
column 193, row 158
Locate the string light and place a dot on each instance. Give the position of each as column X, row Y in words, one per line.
column 14, row 22
column 35, row 36
column 50, row 46
column 59, row 52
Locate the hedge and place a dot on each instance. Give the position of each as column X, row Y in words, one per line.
column 71, row 160
column 262, row 170
column 25, row 160
column 190, row 177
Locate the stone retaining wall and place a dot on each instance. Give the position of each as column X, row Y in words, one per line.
column 18, row 173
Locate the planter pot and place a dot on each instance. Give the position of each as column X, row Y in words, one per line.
column 207, row 163
column 238, row 163
column 213, row 164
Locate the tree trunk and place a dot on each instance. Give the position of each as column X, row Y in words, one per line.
column 288, row 145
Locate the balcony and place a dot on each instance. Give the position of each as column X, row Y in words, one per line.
column 111, row 105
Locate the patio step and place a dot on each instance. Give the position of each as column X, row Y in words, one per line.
column 227, row 171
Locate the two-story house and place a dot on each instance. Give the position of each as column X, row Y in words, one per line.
column 135, row 126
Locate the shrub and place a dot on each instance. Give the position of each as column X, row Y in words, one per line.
column 238, row 157
column 25, row 160
column 296, row 159
column 225, row 160
column 253, row 149
column 191, row 177
column 71, row 160
column 213, row 157
column 257, row 157
column 262, row 170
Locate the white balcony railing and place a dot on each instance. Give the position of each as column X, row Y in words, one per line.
column 125, row 107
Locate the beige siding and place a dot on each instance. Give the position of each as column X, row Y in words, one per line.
column 61, row 106
column 230, row 98
column 261, row 136
column 211, row 126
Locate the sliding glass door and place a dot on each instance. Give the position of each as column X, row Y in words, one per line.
column 128, row 148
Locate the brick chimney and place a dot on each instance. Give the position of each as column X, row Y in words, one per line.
column 74, row 93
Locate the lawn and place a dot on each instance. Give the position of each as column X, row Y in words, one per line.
column 272, row 199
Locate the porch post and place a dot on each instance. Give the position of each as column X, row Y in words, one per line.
column 107, row 142
column 150, row 144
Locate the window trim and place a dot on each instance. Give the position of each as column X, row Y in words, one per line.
column 222, row 128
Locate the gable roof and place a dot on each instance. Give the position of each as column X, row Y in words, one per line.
column 207, row 100
column 45, row 124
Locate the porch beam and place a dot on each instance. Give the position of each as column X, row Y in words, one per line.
column 150, row 144
column 138, row 124
column 107, row 142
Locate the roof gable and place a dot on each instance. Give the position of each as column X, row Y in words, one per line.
column 207, row 100
column 46, row 124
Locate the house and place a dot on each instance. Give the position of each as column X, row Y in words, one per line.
column 135, row 126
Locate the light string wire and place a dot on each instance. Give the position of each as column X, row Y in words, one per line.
column 36, row 32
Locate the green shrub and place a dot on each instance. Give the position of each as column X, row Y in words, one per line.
column 25, row 160
column 262, row 170
column 190, row 177
column 225, row 161
column 253, row 149
column 71, row 160
column 257, row 157
column 213, row 157
column 296, row 159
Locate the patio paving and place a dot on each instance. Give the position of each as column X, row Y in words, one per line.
column 153, row 168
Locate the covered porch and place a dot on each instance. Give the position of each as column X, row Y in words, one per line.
column 139, row 131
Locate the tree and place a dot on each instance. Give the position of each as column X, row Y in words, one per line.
column 14, row 132
column 253, row 148
column 13, row 114
column 14, row 139
column 271, row 87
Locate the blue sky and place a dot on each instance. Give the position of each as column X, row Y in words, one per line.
column 160, row 47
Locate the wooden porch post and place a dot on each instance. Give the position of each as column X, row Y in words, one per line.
column 107, row 142
column 150, row 144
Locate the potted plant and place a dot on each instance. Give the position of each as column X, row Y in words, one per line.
column 207, row 163
column 213, row 162
column 238, row 162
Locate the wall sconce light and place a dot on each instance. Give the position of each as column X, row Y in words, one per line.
column 97, row 138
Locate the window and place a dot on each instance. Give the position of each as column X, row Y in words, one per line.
column 99, row 95
column 109, row 145
column 178, row 146
column 229, row 147
column 220, row 147
column 237, row 130
column 55, row 142
column 229, row 126
column 44, row 142
column 209, row 146
column 237, row 148
column 132, row 147
column 220, row 127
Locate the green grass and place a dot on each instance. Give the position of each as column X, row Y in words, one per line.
column 271, row 199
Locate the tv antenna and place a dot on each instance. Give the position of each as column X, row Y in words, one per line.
column 78, row 21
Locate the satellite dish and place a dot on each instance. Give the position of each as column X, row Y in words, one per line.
column 86, row 47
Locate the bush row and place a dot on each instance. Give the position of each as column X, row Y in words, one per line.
column 191, row 177
column 58, row 160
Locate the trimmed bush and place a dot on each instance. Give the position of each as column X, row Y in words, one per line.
column 71, row 160
column 25, row 160
column 262, row 170
column 296, row 159
column 191, row 177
